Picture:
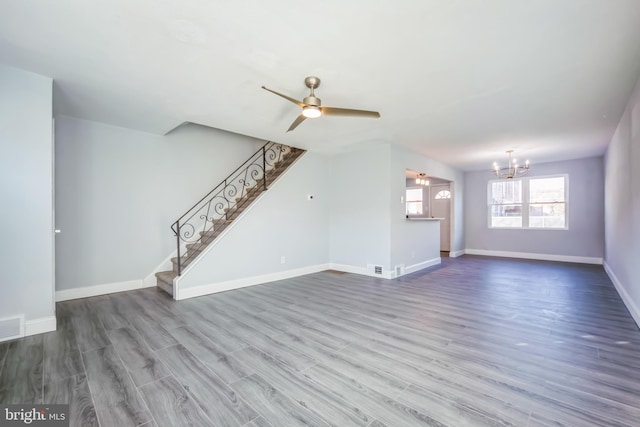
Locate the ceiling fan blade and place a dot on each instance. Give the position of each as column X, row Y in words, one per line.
column 288, row 98
column 332, row 111
column 296, row 122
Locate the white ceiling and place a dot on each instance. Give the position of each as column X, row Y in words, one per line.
column 460, row 81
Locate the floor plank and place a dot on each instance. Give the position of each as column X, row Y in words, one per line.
column 21, row 378
column 222, row 364
column 62, row 358
column 109, row 312
column 171, row 405
column 379, row 405
column 258, row 422
column 274, row 406
column 334, row 410
column 212, row 394
column 136, row 356
column 115, row 396
column 154, row 334
column 73, row 391
column 90, row 332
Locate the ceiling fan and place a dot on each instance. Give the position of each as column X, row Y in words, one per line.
column 311, row 106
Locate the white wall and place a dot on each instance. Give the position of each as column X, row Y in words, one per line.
column 282, row 223
column 622, row 206
column 360, row 215
column 585, row 235
column 26, row 192
column 119, row 190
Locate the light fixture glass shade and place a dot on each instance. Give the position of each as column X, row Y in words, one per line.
column 311, row 112
column 420, row 179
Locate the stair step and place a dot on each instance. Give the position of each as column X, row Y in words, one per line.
column 195, row 247
column 237, row 208
column 164, row 280
column 186, row 260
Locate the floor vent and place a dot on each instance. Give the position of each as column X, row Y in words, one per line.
column 374, row 270
column 11, row 328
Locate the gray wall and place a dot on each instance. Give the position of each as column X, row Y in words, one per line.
column 26, row 192
column 360, row 214
column 622, row 206
column 119, row 190
column 283, row 223
column 585, row 236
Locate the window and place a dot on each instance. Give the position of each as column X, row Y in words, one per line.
column 414, row 201
column 443, row 194
column 528, row 203
column 506, row 203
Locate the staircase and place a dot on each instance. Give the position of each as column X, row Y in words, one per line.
column 210, row 216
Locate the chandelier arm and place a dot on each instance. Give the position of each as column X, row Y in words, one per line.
column 512, row 170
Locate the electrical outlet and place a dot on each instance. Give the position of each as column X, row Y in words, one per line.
column 413, row 254
column 282, row 259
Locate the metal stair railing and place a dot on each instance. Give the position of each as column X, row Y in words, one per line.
column 217, row 207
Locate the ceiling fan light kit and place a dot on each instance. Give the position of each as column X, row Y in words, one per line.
column 311, row 112
column 312, row 106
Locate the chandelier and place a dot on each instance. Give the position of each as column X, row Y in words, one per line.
column 512, row 170
column 421, row 179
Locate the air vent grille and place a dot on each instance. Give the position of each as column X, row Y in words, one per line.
column 375, row 270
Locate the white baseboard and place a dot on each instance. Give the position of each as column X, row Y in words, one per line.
column 386, row 274
column 349, row 269
column 197, row 291
column 626, row 298
column 542, row 257
column 39, row 326
column 456, row 254
column 422, row 265
column 107, row 288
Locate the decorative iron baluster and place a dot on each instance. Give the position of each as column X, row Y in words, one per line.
column 264, row 166
column 204, row 220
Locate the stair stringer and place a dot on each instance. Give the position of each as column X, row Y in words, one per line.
column 244, row 226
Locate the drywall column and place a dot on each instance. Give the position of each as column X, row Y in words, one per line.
column 360, row 217
column 26, row 194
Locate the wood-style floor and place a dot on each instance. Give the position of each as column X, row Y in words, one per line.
column 476, row 341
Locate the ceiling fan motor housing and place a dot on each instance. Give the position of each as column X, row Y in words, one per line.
column 311, row 100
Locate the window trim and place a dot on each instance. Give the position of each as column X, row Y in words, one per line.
column 421, row 201
column 526, row 203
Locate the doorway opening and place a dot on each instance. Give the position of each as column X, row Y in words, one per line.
column 431, row 197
